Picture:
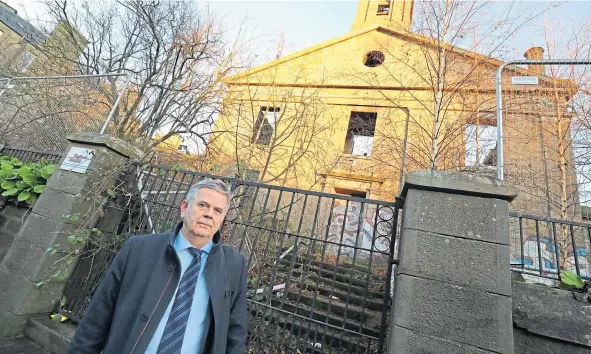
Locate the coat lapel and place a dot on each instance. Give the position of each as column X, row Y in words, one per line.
column 217, row 283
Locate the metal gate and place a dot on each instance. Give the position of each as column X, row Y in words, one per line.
column 320, row 265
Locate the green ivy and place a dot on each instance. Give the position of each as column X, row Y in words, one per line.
column 23, row 182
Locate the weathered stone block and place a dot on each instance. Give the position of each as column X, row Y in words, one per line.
column 15, row 212
column 529, row 343
column 6, row 239
column 455, row 313
column 470, row 263
column 39, row 231
column 476, row 218
column 117, row 145
column 50, row 335
column 411, row 342
column 55, row 204
column 43, row 299
column 24, row 260
column 551, row 313
column 68, row 182
column 14, row 225
column 478, row 185
column 13, row 290
column 12, row 325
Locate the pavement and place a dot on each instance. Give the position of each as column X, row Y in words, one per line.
column 20, row 346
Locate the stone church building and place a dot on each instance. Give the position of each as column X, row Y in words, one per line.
column 353, row 114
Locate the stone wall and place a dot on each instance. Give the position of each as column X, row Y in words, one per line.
column 12, row 217
column 548, row 321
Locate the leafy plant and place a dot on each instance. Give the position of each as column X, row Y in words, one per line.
column 572, row 279
column 23, row 181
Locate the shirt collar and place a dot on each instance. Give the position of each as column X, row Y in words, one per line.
column 181, row 243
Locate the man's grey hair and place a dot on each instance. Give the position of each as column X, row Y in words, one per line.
column 216, row 184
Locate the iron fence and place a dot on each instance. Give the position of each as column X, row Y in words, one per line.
column 26, row 155
column 542, row 247
column 320, row 265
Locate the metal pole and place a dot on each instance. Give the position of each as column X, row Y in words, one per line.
column 112, row 112
column 500, row 123
column 500, row 164
column 6, row 86
column 60, row 77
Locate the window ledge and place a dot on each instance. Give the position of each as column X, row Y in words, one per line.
column 351, row 156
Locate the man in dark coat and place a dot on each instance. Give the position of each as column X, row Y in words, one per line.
column 180, row 292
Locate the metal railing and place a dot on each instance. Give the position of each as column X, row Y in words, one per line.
column 320, row 265
column 544, row 247
column 26, row 155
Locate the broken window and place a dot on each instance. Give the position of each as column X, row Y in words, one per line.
column 360, row 134
column 383, row 9
column 265, row 125
column 350, row 192
column 481, row 145
column 373, row 59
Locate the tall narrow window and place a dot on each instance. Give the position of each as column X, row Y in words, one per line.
column 265, row 125
column 481, row 144
column 360, row 134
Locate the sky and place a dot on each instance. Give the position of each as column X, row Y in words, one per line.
column 306, row 23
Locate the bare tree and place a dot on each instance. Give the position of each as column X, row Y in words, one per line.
column 176, row 54
column 444, row 74
column 280, row 131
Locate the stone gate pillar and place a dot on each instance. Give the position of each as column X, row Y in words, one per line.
column 452, row 290
column 92, row 161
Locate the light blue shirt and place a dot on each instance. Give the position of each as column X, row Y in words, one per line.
column 195, row 326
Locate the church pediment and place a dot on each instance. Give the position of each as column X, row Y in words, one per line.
column 374, row 57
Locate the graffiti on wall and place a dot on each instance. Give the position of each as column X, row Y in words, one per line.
column 546, row 255
column 354, row 224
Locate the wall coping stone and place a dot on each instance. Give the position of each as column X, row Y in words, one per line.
column 119, row 146
column 458, row 183
column 551, row 312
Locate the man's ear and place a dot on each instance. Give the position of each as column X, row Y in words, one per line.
column 184, row 207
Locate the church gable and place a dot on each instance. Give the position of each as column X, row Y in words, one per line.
column 373, row 57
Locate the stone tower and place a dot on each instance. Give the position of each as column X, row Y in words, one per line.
column 394, row 13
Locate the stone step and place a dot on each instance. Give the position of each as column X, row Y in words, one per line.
column 332, row 280
column 356, row 271
column 52, row 336
column 328, row 289
column 20, row 346
column 334, row 307
column 330, row 318
column 309, row 333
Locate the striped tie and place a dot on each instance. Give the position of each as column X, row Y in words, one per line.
column 172, row 338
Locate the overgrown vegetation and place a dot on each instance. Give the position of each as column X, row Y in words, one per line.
column 23, row 182
column 571, row 280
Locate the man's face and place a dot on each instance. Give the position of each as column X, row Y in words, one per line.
column 204, row 217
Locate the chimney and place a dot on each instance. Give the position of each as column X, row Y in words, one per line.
column 7, row 7
column 535, row 53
